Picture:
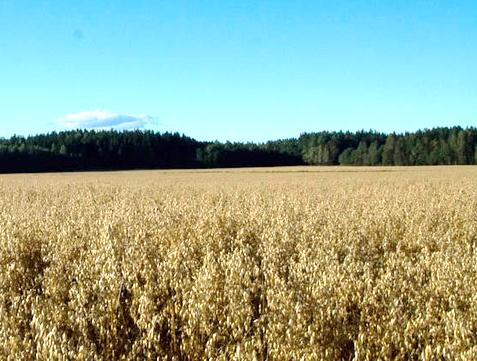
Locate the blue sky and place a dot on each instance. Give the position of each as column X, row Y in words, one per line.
column 237, row 70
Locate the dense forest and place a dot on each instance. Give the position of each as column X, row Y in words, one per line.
column 110, row 150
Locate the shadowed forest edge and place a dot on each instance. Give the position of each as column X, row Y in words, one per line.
column 114, row 150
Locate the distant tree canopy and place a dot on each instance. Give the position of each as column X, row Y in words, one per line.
column 111, row 150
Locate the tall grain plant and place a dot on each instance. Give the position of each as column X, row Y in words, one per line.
column 243, row 265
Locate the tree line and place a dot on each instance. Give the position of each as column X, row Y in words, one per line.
column 438, row 146
column 115, row 150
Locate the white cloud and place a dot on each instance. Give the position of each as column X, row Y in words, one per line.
column 100, row 119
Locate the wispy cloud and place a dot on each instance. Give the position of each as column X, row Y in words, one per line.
column 100, row 119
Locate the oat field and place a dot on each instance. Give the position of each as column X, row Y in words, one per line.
column 254, row 264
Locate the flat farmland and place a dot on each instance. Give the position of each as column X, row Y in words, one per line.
column 299, row 263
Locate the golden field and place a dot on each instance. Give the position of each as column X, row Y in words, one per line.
column 329, row 263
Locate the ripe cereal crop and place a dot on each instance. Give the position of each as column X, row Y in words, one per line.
column 329, row 263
